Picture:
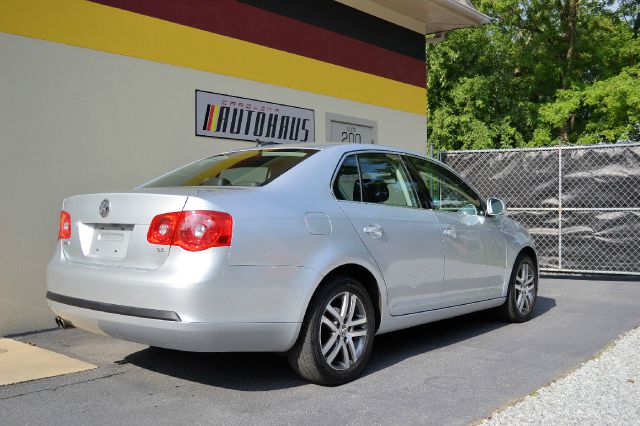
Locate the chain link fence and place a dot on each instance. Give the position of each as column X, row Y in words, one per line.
column 581, row 204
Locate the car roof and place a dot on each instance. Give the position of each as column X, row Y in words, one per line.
column 337, row 147
column 341, row 148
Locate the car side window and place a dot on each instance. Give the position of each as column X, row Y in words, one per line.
column 346, row 185
column 447, row 191
column 386, row 181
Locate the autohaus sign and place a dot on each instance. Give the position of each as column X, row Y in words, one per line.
column 232, row 117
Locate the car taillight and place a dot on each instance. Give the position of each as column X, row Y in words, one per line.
column 163, row 227
column 200, row 229
column 64, row 231
column 193, row 230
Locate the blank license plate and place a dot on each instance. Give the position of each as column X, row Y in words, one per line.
column 110, row 241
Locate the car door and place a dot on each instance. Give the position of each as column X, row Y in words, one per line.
column 375, row 191
column 474, row 246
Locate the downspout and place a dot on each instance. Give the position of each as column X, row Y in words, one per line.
column 432, row 39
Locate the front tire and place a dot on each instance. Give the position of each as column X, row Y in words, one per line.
column 336, row 337
column 523, row 291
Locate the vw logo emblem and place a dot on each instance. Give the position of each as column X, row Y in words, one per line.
column 105, row 206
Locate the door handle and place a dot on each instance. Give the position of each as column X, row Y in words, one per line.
column 450, row 232
column 374, row 231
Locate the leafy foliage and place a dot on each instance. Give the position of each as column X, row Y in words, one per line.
column 543, row 72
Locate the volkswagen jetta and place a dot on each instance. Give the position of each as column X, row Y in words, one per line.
column 306, row 250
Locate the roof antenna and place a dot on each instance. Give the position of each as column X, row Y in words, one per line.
column 260, row 143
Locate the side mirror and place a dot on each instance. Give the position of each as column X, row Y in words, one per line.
column 495, row 207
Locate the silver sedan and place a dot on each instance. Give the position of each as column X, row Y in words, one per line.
column 307, row 250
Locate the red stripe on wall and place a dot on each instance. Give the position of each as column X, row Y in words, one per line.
column 234, row 19
column 212, row 110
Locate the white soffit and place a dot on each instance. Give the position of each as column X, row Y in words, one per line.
column 422, row 16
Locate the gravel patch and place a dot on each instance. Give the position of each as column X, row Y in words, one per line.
column 602, row 391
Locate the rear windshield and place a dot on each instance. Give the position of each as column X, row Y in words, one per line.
column 245, row 168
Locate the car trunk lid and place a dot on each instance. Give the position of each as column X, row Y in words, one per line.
column 110, row 229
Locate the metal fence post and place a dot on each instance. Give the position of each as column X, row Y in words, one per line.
column 559, row 207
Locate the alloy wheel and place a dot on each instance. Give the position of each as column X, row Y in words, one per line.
column 525, row 288
column 343, row 331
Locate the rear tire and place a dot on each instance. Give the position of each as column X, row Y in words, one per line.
column 336, row 336
column 523, row 291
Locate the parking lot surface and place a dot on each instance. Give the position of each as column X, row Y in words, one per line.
column 450, row 372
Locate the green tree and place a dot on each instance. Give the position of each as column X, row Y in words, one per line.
column 543, row 72
column 630, row 12
column 606, row 111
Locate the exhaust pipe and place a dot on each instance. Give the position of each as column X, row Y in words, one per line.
column 62, row 323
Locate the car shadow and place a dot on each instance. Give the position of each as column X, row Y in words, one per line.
column 244, row 371
column 258, row 372
column 392, row 348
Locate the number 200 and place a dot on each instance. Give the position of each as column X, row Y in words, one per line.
column 351, row 136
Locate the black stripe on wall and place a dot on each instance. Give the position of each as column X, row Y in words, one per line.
column 342, row 19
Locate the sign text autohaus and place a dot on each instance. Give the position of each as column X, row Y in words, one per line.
column 232, row 117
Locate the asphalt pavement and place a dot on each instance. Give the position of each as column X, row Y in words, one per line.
column 456, row 371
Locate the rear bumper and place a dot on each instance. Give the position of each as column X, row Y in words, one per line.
column 185, row 336
column 214, row 307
